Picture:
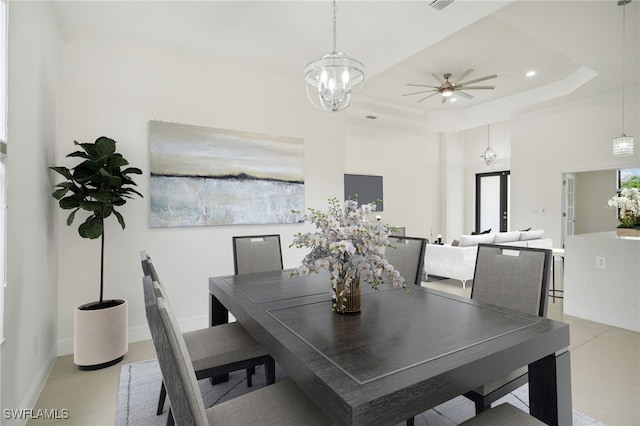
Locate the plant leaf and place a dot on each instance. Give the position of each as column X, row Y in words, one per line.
column 63, row 171
column 120, row 218
column 71, row 216
column 91, row 228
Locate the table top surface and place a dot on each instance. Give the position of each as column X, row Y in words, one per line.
column 400, row 343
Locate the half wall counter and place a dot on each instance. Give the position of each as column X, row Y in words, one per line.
column 602, row 279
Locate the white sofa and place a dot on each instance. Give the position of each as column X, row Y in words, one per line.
column 458, row 262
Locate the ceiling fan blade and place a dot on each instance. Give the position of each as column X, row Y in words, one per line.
column 438, row 78
column 433, row 94
column 465, row 74
column 444, row 100
column 477, row 87
column 417, row 93
column 420, row 85
column 477, row 80
column 463, row 94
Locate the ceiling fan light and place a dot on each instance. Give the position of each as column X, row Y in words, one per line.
column 447, row 92
column 623, row 146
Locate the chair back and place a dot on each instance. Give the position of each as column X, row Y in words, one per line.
column 513, row 277
column 148, row 268
column 257, row 253
column 178, row 374
column 406, row 254
column 144, row 260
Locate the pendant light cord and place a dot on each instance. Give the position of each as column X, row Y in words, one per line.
column 488, row 138
column 623, row 34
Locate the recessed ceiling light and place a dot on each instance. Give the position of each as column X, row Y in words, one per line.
column 530, row 73
column 453, row 99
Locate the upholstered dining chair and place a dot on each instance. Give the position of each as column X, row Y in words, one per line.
column 406, row 254
column 257, row 253
column 516, row 278
column 282, row 403
column 215, row 350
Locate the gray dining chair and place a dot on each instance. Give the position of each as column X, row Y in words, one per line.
column 257, row 253
column 216, row 350
column 503, row 415
column 282, row 403
column 516, row 278
column 406, row 254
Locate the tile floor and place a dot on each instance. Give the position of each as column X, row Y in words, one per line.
column 605, row 364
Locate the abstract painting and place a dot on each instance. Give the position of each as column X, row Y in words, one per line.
column 203, row 176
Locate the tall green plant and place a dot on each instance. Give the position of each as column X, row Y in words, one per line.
column 97, row 185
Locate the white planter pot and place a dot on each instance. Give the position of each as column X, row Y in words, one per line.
column 100, row 335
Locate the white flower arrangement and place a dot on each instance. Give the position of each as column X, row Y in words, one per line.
column 349, row 246
column 628, row 204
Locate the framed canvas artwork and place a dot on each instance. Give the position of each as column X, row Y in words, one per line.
column 202, row 176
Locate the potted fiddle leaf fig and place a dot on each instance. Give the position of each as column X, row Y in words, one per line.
column 98, row 185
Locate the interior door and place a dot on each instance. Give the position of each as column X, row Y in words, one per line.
column 492, row 201
column 568, row 208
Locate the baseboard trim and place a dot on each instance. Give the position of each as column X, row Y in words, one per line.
column 33, row 393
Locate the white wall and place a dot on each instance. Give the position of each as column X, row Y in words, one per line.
column 408, row 160
column 30, row 297
column 592, row 191
column 113, row 88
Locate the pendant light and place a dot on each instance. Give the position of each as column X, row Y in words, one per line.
column 334, row 80
column 623, row 144
column 489, row 154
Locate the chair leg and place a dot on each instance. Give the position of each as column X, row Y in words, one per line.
column 410, row 421
column 270, row 371
column 163, row 396
column 481, row 406
column 250, row 372
column 170, row 420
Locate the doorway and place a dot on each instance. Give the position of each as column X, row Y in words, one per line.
column 492, row 201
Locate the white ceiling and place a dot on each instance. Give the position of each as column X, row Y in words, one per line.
column 575, row 46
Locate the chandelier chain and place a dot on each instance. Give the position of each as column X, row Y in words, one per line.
column 335, row 32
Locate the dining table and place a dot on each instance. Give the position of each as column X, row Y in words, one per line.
column 406, row 351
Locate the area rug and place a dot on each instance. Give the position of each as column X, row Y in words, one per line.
column 140, row 387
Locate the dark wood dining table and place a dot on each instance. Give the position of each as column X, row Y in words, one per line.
column 404, row 353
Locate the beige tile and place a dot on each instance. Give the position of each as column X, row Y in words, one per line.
column 90, row 396
column 603, row 396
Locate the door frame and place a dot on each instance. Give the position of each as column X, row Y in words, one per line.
column 504, row 198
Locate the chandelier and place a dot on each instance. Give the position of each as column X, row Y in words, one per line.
column 489, row 154
column 623, row 144
column 334, row 80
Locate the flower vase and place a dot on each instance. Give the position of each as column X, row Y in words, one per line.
column 348, row 301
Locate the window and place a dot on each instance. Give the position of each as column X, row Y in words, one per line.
column 628, row 178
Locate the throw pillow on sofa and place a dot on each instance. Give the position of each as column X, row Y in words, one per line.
column 531, row 235
column 507, row 237
column 474, row 240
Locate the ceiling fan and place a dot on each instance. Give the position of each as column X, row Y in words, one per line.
column 447, row 88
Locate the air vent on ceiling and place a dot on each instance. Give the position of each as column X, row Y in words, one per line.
column 440, row 4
